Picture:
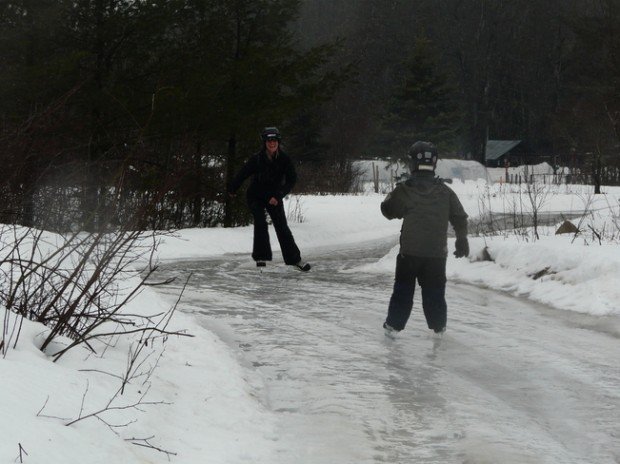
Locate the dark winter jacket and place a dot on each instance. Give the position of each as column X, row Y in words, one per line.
column 426, row 204
column 271, row 178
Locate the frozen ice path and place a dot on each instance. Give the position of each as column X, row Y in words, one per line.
column 510, row 382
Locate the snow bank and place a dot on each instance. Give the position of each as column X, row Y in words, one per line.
column 446, row 168
column 569, row 276
column 198, row 403
column 328, row 220
column 205, row 406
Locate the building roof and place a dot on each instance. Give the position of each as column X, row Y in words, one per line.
column 496, row 148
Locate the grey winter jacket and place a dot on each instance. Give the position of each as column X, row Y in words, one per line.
column 426, row 204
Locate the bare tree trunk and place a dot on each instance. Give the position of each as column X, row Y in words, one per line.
column 198, row 194
column 596, row 171
column 230, row 173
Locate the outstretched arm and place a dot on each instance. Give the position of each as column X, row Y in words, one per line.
column 392, row 207
column 246, row 171
column 458, row 219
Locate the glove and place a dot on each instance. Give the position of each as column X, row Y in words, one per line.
column 462, row 247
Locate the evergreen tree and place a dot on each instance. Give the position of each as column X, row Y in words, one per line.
column 139, row 95
column 588, row 120
column 423, row 107
column 28, row 85
column 230, row 68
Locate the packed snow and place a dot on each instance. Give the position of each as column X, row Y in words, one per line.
column 194, row 401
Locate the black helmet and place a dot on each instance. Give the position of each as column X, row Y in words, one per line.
column 422, row 156
column 270, row 133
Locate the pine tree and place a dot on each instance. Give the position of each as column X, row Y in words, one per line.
column 142, row 94
column 423, row 107
column 588, row 120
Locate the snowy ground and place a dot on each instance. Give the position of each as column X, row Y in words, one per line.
column 290, row 367
column 456, row 169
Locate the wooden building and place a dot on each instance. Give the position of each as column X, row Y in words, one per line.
column 499, row 152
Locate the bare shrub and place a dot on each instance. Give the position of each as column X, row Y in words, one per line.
column 331, row 176
column 76, row 285
column 295, row 210
column 537, row 195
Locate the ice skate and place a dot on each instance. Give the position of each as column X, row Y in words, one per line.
column 390, row 331
column 303, row 266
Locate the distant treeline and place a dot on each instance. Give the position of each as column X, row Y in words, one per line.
column 459, row 72
column 112, row 108
column 122, row 111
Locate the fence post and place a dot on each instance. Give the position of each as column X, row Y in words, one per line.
column 375, row 177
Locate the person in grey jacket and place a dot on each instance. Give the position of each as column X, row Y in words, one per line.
column 426, row 205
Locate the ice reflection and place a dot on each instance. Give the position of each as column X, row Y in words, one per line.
column 509, row 382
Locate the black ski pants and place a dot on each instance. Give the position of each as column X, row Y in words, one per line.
column 261, row 250
column 430, row 273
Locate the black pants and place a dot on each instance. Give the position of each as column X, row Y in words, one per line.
column 430, row 273
column 261, row 250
